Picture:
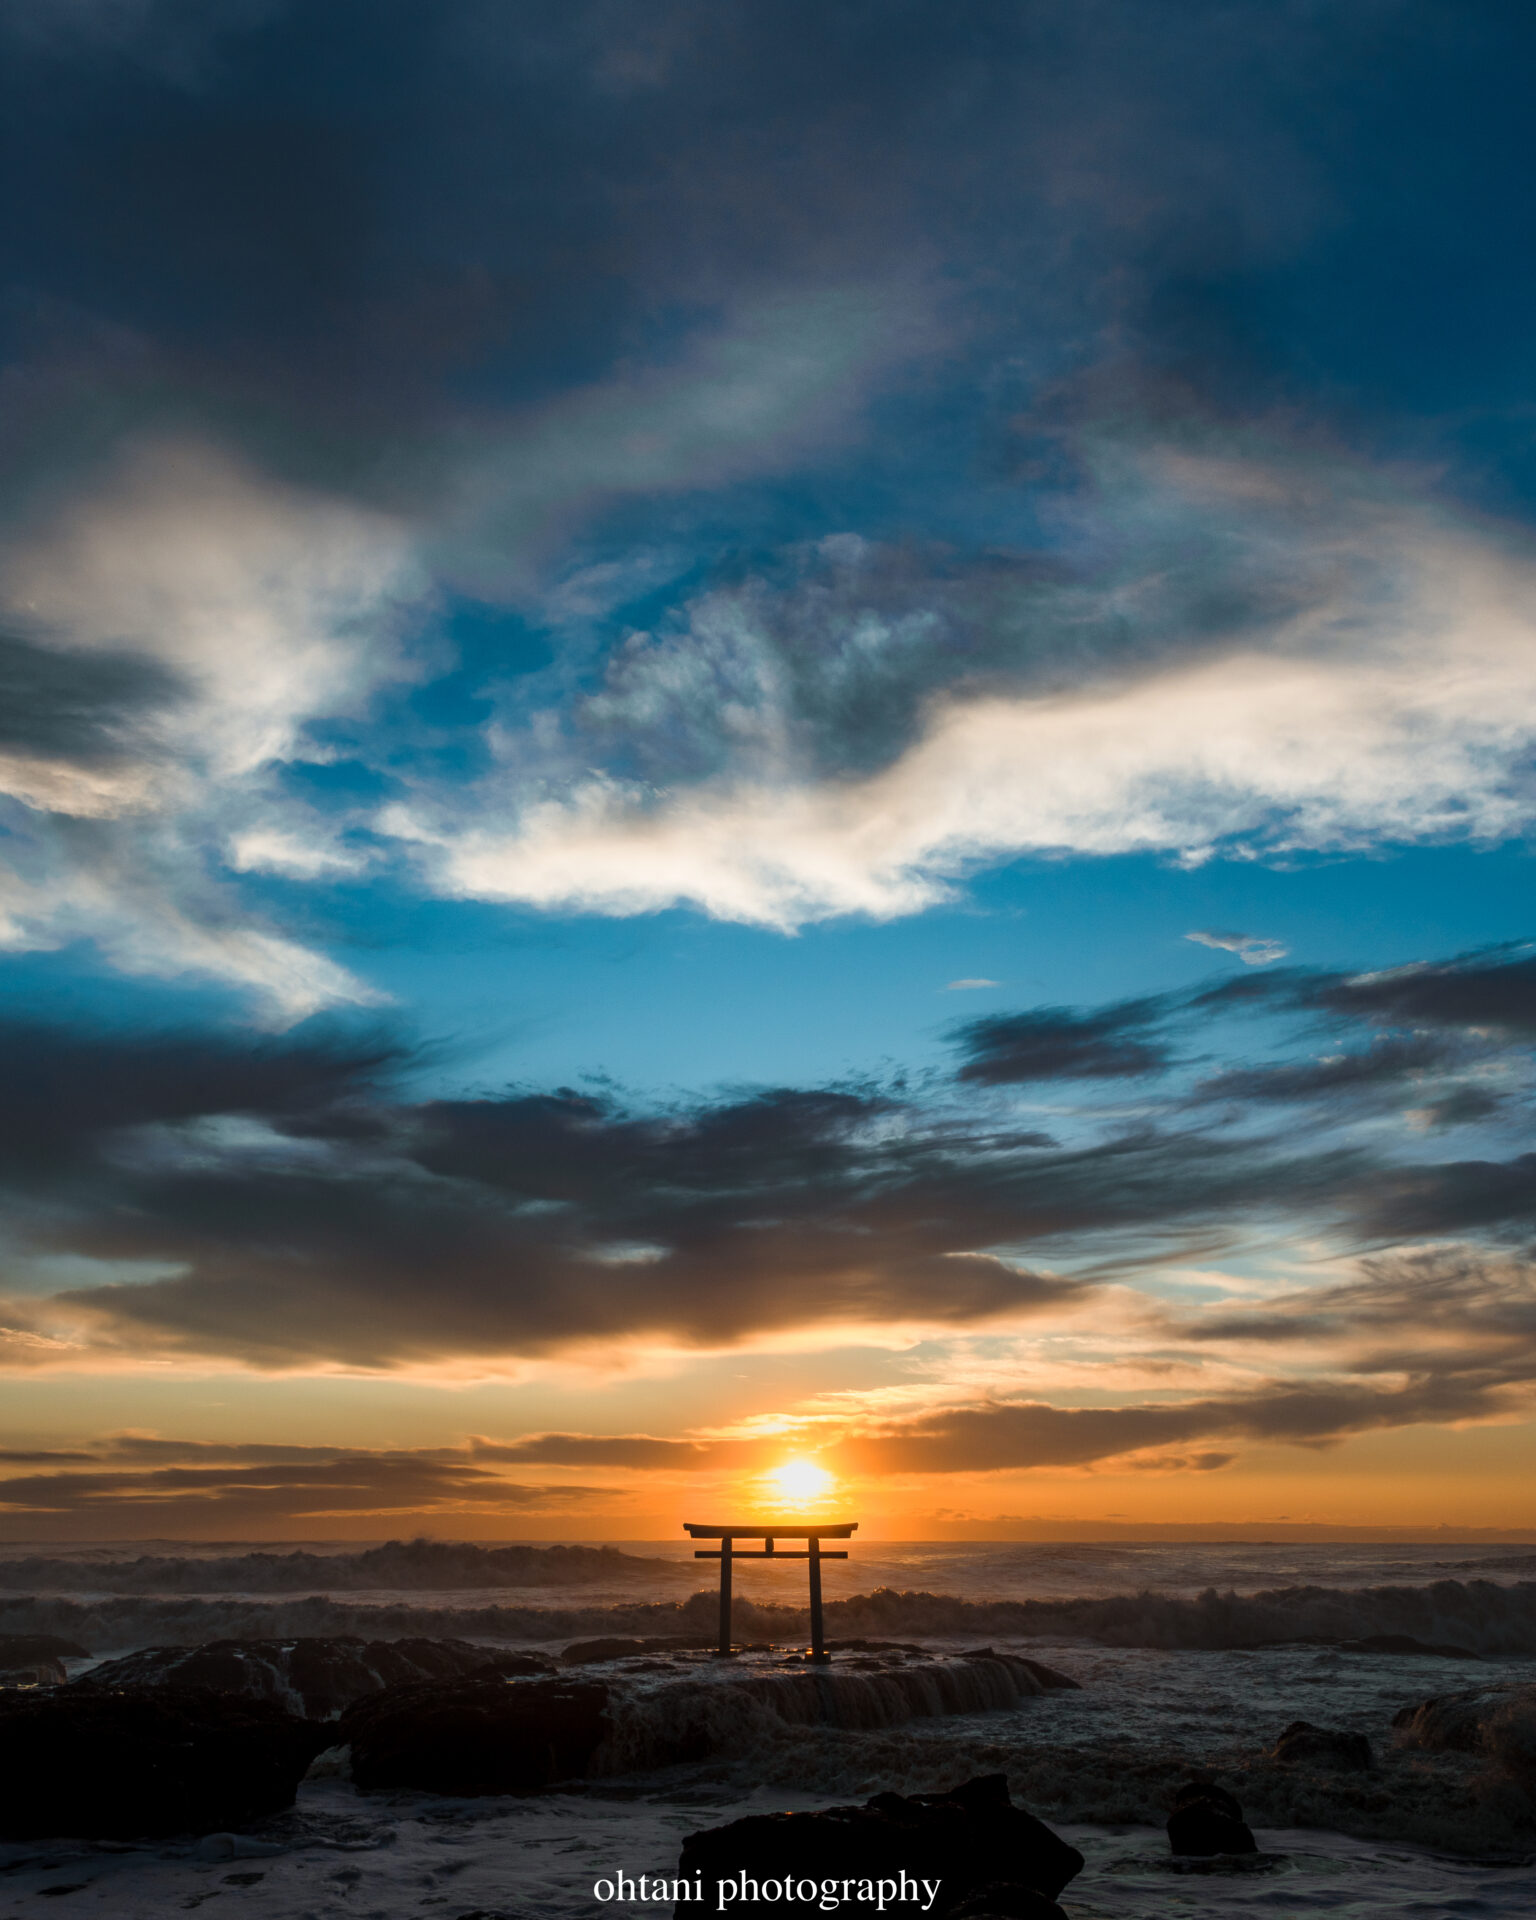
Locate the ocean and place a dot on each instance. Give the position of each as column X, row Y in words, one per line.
column 1187, row 1656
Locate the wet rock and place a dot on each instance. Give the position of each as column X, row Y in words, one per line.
column 1405, row 1643
column 1457, row 1722
column 581, row 1653
column 22, row 1649
column 38, row 1673
column 476, row 1736
column 973, row 1841
column 124, row 1766
column 313, row 1678
column 1048, row 1678
column 584, row 1652
column 1303, row 1745
column 1207, row 1820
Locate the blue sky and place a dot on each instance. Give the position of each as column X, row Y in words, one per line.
column 705, row 683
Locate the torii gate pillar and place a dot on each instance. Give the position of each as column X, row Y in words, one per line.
column 812, row 1533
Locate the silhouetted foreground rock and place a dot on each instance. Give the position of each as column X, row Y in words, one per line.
column 1458, row 1722
column 1049, row 1678
column 126, row 1766
column 34, row 1659
column 21, row 1649
column 1405, row 1643
column 316, row 1678
column 988, row 1856
column 1207, row 1820
column 475, row 1736
column 1303, row 1745
column 581, row 1653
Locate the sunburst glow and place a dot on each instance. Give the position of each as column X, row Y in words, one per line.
column 801, row 1480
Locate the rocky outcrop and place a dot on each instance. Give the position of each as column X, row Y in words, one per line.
column 476, row 1736
column 313, row 1678
column 35, row 1659
column 1303, row 1745
column 1399, row 1643
column 21, row 1649
column 988, row 1856
column 1207, row 1820
column 1049, row 1678
column 582, row 1653
column 1457, row 1722
column 1499, row 1721
column 102, row 1765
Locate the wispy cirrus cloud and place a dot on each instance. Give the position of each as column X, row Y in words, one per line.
column 1250, row 948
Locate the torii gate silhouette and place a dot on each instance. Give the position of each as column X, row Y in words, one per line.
column 812, row 1533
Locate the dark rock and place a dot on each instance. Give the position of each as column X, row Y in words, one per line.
column 124, row 1766
column 1047, row 1677
column 1195, row 1791
column 22, row 1649
column 1456, row 1722
column 969, row 1840
column 475, row 1736
column 582, row 1653
column 1005, row 1900
column 1303, row 1745
column 1207, row 1820
column 1405, row 1643
column 314, row 1678
column 39, row 1673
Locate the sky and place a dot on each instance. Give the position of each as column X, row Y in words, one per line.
column 759, row 753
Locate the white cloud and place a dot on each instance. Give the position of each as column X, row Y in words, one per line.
column 1395, row 703
column 1249, row 947
column 265, row 607
column 968, row 986
column 273, row 605
column 781, row 375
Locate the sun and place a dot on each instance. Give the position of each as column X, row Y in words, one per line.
column 801, row 1480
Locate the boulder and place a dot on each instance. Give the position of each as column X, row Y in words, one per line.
column 36, row 1659
column 1303, row 1745
column 1047, row 1678
column 973, row 1841
column 36, row 1673
column 1457, row 1722
column 474, row 1736
column 100, row 1765
column 1405, row 1643
column 1207, row 1820
column 314, row 1678
column 23, row 1649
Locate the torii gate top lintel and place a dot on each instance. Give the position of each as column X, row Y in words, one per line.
column 770, row 1532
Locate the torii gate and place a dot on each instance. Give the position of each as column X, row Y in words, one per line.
column 812, row 1535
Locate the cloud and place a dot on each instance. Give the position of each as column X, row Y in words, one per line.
column 1250, row 948
column 969, row 986
column 1371, row 683
column 1386, row 1063
column 1056, row 1043
column 1000, row 1436
column 179, row 623
column 348, row 1482
column 279, row 1204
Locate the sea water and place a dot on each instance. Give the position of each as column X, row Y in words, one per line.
column 1187, row 1655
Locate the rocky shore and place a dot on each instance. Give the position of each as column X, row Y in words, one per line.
column 197, row 1745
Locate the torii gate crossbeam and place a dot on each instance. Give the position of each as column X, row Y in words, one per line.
column 812, row 1533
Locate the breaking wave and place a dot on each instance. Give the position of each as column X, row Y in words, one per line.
column 1478, row 1615
column 420, row 1565
column 685, row 1718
